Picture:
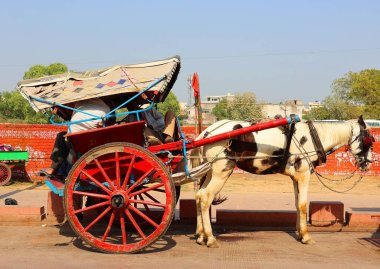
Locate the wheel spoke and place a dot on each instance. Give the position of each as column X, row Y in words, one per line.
column 97, row 219
column 147, row 203
column 162, row 191
column 134, row 223
column 92, row 207
column 91, row 194
column 138, row 212
column 100, row 167
column 108, row 229
column 134, row 199
column 151, row 197
column 96, row 182
column 126, row 179
column 122, row 227
column 140, row 180
column 117, row 167
column 154, row 187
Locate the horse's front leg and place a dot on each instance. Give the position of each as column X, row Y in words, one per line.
column 303, row 179
column 295, row 186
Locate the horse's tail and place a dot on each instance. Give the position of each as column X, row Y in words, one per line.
column 196, row 160
column 219, row 199
column 196, row 157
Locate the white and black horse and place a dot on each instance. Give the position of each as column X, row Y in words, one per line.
column 263, row 152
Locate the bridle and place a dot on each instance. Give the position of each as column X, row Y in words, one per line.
column 366, row 140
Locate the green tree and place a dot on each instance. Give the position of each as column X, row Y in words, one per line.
column 220, row 111
column 56, row 68
column 16, row 109
column 319, row 113
column 170, row 103
column 37, row 71
column 244, row 106
column 365, row 88
column 335, row 108
column 356, row 93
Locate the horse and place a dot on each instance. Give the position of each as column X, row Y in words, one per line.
column 265, row 152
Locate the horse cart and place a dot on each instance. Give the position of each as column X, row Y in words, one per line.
column 9, row 159
column 120, row 194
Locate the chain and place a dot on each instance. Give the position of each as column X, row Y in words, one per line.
column 319, row 176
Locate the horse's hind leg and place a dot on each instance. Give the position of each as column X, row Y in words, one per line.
column 199, row 231
column 221, row 172
column 206, row 197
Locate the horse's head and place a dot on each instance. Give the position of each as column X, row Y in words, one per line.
column 360, row 144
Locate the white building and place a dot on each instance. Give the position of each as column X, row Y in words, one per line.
column 207, row 106
column 269, row 110
column 312, row 105
column 283, row 109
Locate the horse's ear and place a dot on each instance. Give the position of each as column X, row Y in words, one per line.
column 361, row 122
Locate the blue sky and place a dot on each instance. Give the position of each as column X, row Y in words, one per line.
column 277, row 49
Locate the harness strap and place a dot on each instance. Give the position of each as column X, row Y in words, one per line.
column 289, row 134
column 317, row 143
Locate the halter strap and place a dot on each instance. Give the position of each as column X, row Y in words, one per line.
column 317, row 143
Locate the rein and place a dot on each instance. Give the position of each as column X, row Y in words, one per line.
column 320, row 176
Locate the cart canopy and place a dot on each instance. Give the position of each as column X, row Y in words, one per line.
column 113, row 81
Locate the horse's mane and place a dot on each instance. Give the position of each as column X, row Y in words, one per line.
column 335, row 131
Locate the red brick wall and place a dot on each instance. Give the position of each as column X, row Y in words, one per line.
column 38, row 140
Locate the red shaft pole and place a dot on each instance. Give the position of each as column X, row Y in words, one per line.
column 241, row 131
column 212, row 139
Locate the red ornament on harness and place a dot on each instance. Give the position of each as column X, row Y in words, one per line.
column 368, row 140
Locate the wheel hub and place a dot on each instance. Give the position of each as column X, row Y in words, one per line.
column 118, row 200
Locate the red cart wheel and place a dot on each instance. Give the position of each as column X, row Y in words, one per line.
column 127, row 185
column 5, row 174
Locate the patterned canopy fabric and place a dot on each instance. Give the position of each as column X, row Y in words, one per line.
column 71, row 87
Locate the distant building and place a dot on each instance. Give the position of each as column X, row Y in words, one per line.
column 207, row 106
column 269, row 110
column 312, row 105
column 283, row 109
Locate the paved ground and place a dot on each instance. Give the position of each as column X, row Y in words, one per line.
column 47, row 247
column 52, row 247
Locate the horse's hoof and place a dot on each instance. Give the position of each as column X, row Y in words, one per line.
column 308, row 241
column 212, row 243
column 201, row 241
